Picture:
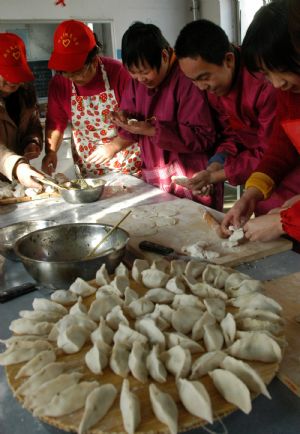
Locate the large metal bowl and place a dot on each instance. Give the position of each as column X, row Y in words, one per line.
column 56, row 256
column 83, row 194
column 10, row 234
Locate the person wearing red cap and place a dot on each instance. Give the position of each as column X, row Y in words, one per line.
column 21, row 133
column 85, row 90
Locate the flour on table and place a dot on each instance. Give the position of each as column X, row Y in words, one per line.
column 200, row 250
column 165, row 221
column 236, row 236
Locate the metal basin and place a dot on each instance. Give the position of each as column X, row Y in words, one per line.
column 10, row 234
column 56, row 256
column 83, row 195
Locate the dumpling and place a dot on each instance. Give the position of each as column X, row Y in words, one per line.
column 48, row 306
column 69, row 400
column 80, row 319
column 265, row 315
column 184, row 300
column 139, row 265
column 108, row 289
column 245, row 373
column 120, row 283
column 159, row 295
column 130, row 408
column 177, row 338
column 228, row 327
column 153, row 278
column 155, row 366
column 234, row 280
column 137, row 362
column 177, row 267
column 103, row 305
column 102, row 277
column 127, row 336
column 245, row 287
column 82, row 288
column 78, row 307
column 216, row 307
column 161, row 264
column 22, row 338
column 147, row 327
column 204, row 290
column 256, row 300
column 24, row 326
column 63, row 297
column 121, row 270
column 164, row 311
column 47, row 373
column 36, row 363
column 216, row 275
column 115, row 317
column 72, row 339
column 119, row 360
column 207, row 362
column 103, row 333
column 164, row 408
column 253, row 324
column 184, row 318
column 40, row 315
column 232, row 389
column 176, row 285
column 129, row 296
column 213, row 337
column 195, row 399
column 97, row 357
column 256, row 346
column 178, row 361
column 194, row 269
column 22, row 351
column 97, row 404
column 43, row 394
column 198, row 327
column 140, row 307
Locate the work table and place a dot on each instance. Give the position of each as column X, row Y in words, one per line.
column 279, row 415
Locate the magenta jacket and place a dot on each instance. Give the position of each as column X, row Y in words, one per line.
column 246, row 115
column 185, row 133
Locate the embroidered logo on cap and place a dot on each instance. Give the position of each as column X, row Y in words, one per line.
column 67, row 38
column 12, row 51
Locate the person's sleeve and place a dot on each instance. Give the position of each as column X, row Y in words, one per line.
column 34, row 130
column 262, row 182
column 238, row 168
column 8, row 160
column 290, row 219
column 193, row 129
column 59, row 97
column 128, row 104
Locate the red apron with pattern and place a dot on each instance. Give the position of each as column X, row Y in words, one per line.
column 91, row 127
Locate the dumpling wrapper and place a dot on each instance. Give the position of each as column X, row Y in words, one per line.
column 164, row 408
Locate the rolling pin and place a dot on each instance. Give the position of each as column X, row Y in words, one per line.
column 213, row 223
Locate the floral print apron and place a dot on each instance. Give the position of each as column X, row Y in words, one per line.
column 91, row 127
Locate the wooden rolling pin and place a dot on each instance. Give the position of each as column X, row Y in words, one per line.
column 213, row 223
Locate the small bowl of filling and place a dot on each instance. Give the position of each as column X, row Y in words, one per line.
column 82, row 190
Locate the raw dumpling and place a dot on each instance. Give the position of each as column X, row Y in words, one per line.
column 195, row 399
column 72, row 339
column 204, row 290
column 127, row 336
column 164, row 408
column 103, row 305
column 161, row 264
column 129, row 296
column 22, row 351
column 153, row 278
column 97, row 404
column 159, row 295
column 177, row 338
column 155, row 366
column 147, row 327
column 81, row 287
column 119, row 360
column 176, row 285
column 69, row 400
column 245, row 373
column 184, row 318
column 256, row 300
column 130, row 408
column 207, row 362
column 245, row 287
column 198, row 327
column 36, row 363
column 216, row 307
column 138, row 267
column 43, row 395
column 24, row 326
column 164, row 311
column 256, row 346
column 97, row 357
column 137, row 362
column 115, row 317
column 184, row 300
column 63, row 297
column 234, row 280
column 177, row 267
column 78, row 308
column 102, row 277
column 121, row 270
column 140, row 307
column 177, row 361
column 120, row 283
column 40, row 315
column 265, row 315
column 194, row 269
column 232, row 389
column 48, row 306
column 216, row 275
column 103, row 333
column 228, row 327
column 213, row 337
column 253, row 324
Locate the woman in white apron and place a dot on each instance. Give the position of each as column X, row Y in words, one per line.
column 85, row 92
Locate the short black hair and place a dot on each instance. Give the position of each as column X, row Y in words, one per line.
column 94, row 51
column 267, row 42
column 205, row 39
column 143, row 43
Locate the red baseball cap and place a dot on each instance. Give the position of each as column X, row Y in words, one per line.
column 73, row 41
column 13, row 64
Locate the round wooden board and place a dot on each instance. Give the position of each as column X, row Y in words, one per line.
column 112, row 422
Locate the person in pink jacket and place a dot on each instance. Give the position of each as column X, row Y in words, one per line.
column 165, row 113
column 244, row 104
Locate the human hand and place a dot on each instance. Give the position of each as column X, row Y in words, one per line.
column 24, row 172
column 199, row 181
column 141, row 128
column 31, row 151
column 103, row 153
column 238, row 215
column 49, row 162
column 264, row 228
